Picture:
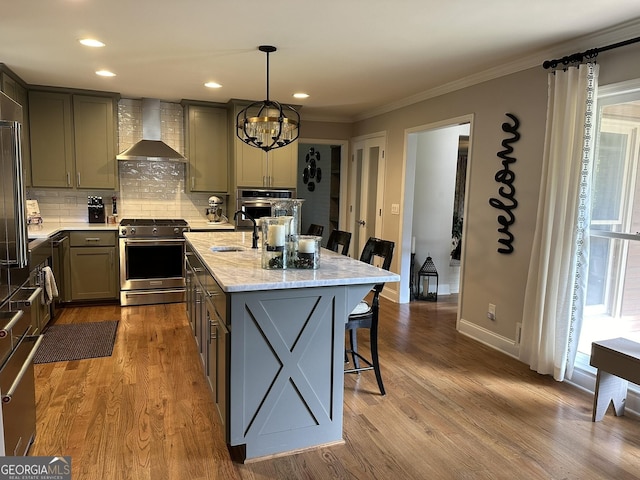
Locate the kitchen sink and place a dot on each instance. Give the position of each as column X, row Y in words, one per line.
column 226, row 248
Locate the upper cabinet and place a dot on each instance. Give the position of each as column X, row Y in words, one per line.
column 73, row 140
column 17, row 91
column 256, row 168
column 207, row 151
column 94, row 129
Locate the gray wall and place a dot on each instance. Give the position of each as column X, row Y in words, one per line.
column 487, row 276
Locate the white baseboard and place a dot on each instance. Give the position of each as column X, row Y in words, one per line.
column 489, row 338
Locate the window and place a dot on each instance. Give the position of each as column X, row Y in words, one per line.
column 613, row 284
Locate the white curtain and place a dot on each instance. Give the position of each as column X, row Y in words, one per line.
column 556, row 282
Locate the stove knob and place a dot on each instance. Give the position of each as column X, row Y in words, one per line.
column 132, row 231
column 176, row 230
column 123, row 231
column 185, row 229
column 154, row 231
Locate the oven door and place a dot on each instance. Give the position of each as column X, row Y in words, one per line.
column 256, row 208
column 151, row 267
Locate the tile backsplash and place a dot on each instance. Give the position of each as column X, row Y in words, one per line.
column 146, row 189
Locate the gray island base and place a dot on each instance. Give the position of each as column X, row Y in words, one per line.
column 286, row 348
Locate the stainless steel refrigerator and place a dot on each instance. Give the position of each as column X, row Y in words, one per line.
column 13, row 227
column 17, row 344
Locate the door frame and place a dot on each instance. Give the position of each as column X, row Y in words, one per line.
column 407, row 195
column 380, row 139
column 344, row 164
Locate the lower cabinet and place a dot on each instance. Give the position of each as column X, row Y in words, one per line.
column 94, row 265
column 207, row 312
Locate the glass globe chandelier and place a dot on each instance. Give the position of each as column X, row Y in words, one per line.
column 268, row 124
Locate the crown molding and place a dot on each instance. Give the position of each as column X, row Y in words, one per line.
column 601, row 38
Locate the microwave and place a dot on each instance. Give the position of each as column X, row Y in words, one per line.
column 258, row 202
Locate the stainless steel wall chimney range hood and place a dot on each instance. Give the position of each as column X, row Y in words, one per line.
column 151, row 147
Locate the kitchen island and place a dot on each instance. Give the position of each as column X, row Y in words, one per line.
column 286, row 343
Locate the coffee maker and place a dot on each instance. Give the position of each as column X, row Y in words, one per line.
column 214, row 211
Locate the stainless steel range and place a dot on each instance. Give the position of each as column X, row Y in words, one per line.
column 152, row 261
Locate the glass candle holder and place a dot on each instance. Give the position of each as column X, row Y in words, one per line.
column 307, row 252
column 274, row 243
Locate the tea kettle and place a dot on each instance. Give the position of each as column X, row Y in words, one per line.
column 214, row 211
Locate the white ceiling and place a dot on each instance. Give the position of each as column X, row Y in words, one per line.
column 353, row 57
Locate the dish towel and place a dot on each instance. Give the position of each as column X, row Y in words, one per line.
column 50, row 287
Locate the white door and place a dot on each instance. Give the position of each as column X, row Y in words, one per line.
column 366, row 174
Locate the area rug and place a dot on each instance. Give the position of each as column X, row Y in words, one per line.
column 77, row 341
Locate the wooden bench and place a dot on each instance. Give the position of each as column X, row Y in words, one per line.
column 618, row 363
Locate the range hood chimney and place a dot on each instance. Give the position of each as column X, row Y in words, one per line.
column 151, row 147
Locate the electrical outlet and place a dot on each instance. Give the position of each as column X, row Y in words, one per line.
column 395, row 209
column 491, row 312
column 518, row 333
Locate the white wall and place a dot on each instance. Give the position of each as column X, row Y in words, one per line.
column 435, row 174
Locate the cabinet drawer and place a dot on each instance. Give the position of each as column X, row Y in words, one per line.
column 92, row 239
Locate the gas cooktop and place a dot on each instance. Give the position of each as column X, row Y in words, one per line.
column 153, row 227
column 128, row 222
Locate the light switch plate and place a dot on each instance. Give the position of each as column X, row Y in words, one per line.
column 395, row 209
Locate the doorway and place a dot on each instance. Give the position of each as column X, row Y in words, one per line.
column 322, row 173
column 436, row 183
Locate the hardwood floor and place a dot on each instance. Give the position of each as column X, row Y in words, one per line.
column 454, row 409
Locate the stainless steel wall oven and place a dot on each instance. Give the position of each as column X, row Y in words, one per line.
column 257, row 202
column 152, row 261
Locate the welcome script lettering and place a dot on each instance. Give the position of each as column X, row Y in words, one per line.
column 507, row 203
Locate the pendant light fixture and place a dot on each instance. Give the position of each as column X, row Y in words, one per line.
column 268, row 125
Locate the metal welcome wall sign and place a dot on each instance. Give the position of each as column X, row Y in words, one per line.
column 507, row 203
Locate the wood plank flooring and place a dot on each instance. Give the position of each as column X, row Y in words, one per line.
column 454, row 409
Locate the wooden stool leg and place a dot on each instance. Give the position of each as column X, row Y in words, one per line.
column 609, row 388
column 374, row 357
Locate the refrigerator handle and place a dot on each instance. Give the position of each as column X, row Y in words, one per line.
column 22, row 240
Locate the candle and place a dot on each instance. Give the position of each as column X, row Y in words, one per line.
column 307, row 245
column 413, row 245
column 275, row 237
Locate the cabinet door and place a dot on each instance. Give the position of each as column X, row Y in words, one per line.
column 51, row 132
column 283, row 166
column 94, row 131
column 93, row 273
column 251, row 168
column 207, row 149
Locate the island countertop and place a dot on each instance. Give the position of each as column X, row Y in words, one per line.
column 241, row 271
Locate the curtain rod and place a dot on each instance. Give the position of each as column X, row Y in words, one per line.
column 587, row 54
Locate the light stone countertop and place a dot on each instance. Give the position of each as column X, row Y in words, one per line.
column 47, row 229
column 241, row 271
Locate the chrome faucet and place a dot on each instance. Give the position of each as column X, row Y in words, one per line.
column 254, row 238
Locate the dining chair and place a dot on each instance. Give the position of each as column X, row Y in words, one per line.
column 315, row 229
column 365, row 315
column 337, row 239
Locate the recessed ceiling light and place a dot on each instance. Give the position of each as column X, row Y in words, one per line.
column 105, row 73
column 212, row 85
column 91, row 42
column 301, row 95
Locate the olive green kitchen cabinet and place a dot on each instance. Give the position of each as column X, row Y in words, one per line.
column 94, row 128
column 253, row 167
column 73, row 140
column 256, row 168
column 94, row 265
column 207, row 149
column 17, row 91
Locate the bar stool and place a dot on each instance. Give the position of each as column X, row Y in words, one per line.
column 365, row 315
column 339, row 238
column 315, row 229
